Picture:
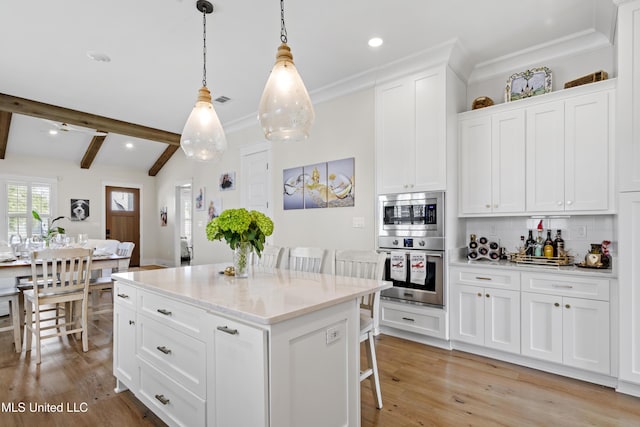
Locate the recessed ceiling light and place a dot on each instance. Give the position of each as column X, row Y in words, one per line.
column 375, row 42
column 129, row 145
column 98, row 56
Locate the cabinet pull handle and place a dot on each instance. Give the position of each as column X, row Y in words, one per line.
column 553, row 285
column 567, row 306
column 163, row 311
column 131, row 322
column 162, row 399
column 408, row 319
column 125, row 296
column 164, row 349
column 483, row 278
column 556, row 304
column 228, row 330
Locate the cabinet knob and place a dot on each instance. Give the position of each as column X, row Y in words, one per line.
column 487, row 295
column 557, row 304
column 405, row 186
column 567, row 306
column 495, row 206
column 131, row 322
column 487, row 206
column 559, row 203
column 569, row 202
column 479, row 294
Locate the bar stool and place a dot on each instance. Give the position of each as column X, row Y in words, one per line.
column 10, row 295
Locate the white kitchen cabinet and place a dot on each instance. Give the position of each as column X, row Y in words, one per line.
column 125, row 366
column 487, row 315
column 566, row 320
column 411, row 133
column 569, row 154
column 629, row 283
column 428, row 321
column 239, row 381
column 628, row 111
column 492, row 167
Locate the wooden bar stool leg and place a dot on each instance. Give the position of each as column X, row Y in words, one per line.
column 14, row 312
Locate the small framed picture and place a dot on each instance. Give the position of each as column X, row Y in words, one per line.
column 199, row 199
column 228, row 181
column 79, row 209
column 535, row 81
column 163, row 216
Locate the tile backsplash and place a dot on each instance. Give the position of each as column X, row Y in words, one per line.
column 578, row 232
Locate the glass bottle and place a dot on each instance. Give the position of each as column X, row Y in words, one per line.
column 530, row 244
column 548, row 246
column 559, row 242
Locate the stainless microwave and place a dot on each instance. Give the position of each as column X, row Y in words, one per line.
column 411, row 215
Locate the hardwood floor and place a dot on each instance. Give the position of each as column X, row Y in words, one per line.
column 421, row 386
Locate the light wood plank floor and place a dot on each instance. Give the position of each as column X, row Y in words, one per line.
column 421, row 386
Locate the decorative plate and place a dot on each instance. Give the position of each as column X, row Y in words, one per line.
column 535, row 81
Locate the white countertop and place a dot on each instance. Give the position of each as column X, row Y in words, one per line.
column 267, row 296
column 609, row 273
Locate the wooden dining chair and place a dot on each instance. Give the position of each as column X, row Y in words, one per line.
column 270, row 257
column 367, row 265
column 64, row 279
column 104, row 284
column 306, row 259
column 10, row 295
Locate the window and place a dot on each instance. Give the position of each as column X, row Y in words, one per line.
column 21, row 197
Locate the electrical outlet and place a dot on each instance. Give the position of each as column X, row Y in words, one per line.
column 358, row 222
column 333, row 334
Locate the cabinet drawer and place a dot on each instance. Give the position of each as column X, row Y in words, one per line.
column 183, row 317
column 169, row 400
column 487, row 278
column 178, row 355
column 125, row 295
column 421, row 320
column 565, row 285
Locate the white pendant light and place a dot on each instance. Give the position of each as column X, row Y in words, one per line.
column 203, row 137
column 285, row 112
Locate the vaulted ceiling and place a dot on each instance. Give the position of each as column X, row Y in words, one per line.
column 145, row 93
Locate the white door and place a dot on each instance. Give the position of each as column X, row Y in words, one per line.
column 545, row 157
column 467, row 323
column 502, row 319
column 475, row 166
column 508, row 161
column 586, row 334
column 256, row 179
column 542, row 326
column 587, row 152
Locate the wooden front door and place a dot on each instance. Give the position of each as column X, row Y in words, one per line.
column 123, row 218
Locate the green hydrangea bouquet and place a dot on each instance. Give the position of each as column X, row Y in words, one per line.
column 238, row 226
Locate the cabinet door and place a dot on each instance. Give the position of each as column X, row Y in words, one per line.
column 629, row 285
column 545, row 157
column 542, row 326
column 395, row 141
column 467, row 322
column 507, row 161
column 475, row 166
column 586, row 151
column 238, row 394
column 502, row 320
column 430, row 124
column 628, row 111
column 586, row 334
column 125, row 364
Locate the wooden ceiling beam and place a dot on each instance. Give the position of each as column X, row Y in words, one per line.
column 13, row 104
column 92, row 151
column 164, row 158
column 5, row 124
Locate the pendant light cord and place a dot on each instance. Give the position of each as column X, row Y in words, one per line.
column 204, row 47
column 283, row 28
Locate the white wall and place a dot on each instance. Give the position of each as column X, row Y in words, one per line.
column 76, row 183
column 343, row 128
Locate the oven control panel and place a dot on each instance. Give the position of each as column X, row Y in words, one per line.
column 394, row 242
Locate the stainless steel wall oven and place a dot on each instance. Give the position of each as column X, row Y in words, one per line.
column 411, row 232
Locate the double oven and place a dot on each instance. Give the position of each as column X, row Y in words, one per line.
column 411, row 233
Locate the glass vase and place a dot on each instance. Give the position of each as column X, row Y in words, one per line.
column 241, row 259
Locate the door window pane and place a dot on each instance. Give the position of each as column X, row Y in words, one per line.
column 122, row 201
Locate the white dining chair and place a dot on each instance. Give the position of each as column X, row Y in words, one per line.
column 367, row 265
column 10, row 296
column 270, row 257
column 64, row 280
column 104, row 284
column 307, row 259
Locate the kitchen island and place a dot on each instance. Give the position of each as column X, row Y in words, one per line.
column 279, row 348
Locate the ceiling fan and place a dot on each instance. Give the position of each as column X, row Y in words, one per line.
column 65, row 127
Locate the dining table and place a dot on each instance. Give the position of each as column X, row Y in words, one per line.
column 22, row 267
